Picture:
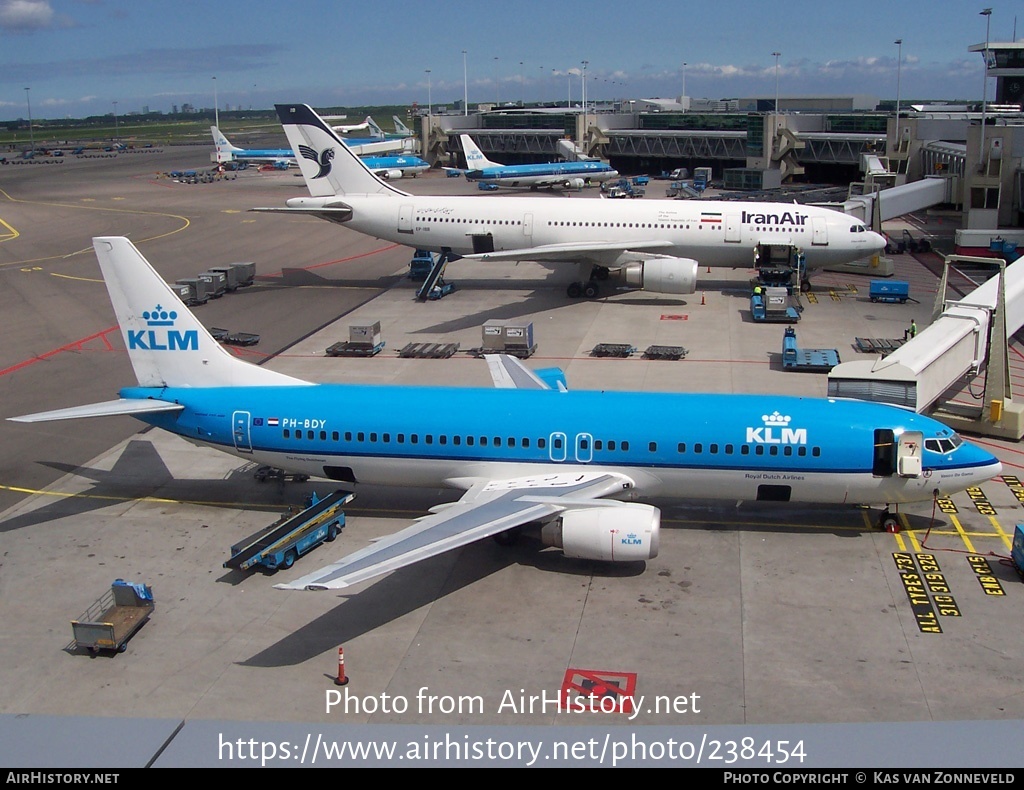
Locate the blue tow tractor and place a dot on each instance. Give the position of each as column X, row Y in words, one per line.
column 282, row 543
column 891, row 291
column 1017, row 552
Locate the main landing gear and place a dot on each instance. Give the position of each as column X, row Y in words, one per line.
column 590, row 288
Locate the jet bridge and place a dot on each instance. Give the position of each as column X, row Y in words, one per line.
column 897, row 201
column 970, row 333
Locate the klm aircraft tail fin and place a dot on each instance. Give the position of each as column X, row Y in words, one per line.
column 225, row 151
column 475, row 159
column 328, row 166
column 167, row 345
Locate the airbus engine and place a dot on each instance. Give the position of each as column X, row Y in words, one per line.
column 387, row 175
column 661, row 274
column 575, row 183
column 610, row 533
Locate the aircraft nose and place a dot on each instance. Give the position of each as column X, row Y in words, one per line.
column 985, row 465
column 877, row 241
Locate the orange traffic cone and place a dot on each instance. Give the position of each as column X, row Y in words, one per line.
column 341, row 680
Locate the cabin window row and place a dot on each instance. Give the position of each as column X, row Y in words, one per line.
column 471, row 221
column 414, row 438
column 557, row 443
column 699, row 448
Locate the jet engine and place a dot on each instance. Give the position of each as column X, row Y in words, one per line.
column 611, row 533
column 661, row 274
column 387, row 175
column 575, row 183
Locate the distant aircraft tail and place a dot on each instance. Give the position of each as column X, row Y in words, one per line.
column 400, row 127
column 375, row 131
column 225, row 150
column 475, row 159
column 328, row 166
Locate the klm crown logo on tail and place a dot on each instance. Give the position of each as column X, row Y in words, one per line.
column 161, row 340
column 323, row 159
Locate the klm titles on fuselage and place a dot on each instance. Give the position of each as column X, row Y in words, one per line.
column 776, row 430
column 785, row 218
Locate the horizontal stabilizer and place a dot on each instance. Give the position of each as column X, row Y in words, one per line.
column 108, row 408
column 333, row 213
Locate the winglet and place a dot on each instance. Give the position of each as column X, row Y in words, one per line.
column 509, row 373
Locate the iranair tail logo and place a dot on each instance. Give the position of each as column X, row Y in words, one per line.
column 323, row 159
column 161, row 335
column 776, row 430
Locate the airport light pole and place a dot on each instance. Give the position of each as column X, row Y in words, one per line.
column 465, row 86
column 116, row 133
column 899, row 66
column 522, row 86
column 684, row 79
column 216, row 109
column 987, row 13
column 430, row 104
column 777, row 56
column 497, row 87
column 31, row 136
column 583, row 89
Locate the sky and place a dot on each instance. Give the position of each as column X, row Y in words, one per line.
column 94, row 57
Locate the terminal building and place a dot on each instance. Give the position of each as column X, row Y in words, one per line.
column 977, row 149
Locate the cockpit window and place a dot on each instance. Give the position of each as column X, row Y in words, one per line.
column 943, row 445
column 858, row 229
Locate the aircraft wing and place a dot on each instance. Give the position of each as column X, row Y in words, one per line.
column 605, row 252
column 508, row 373
column 487, row 508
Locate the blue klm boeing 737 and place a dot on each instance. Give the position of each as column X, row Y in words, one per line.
column 526, row 451
column 387, row 167
column 563, row 175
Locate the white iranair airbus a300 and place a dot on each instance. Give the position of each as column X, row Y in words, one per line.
column 656, row 245
column 528, row 451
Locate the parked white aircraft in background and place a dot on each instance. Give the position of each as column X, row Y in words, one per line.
column 655, row 244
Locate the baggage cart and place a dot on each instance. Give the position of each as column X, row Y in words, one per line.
column 110, row 622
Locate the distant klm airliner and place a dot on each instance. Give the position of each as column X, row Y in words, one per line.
column 526, row 451
column 386, row 167
column 561, row 175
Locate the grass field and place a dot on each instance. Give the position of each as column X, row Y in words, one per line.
column 164, row 131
